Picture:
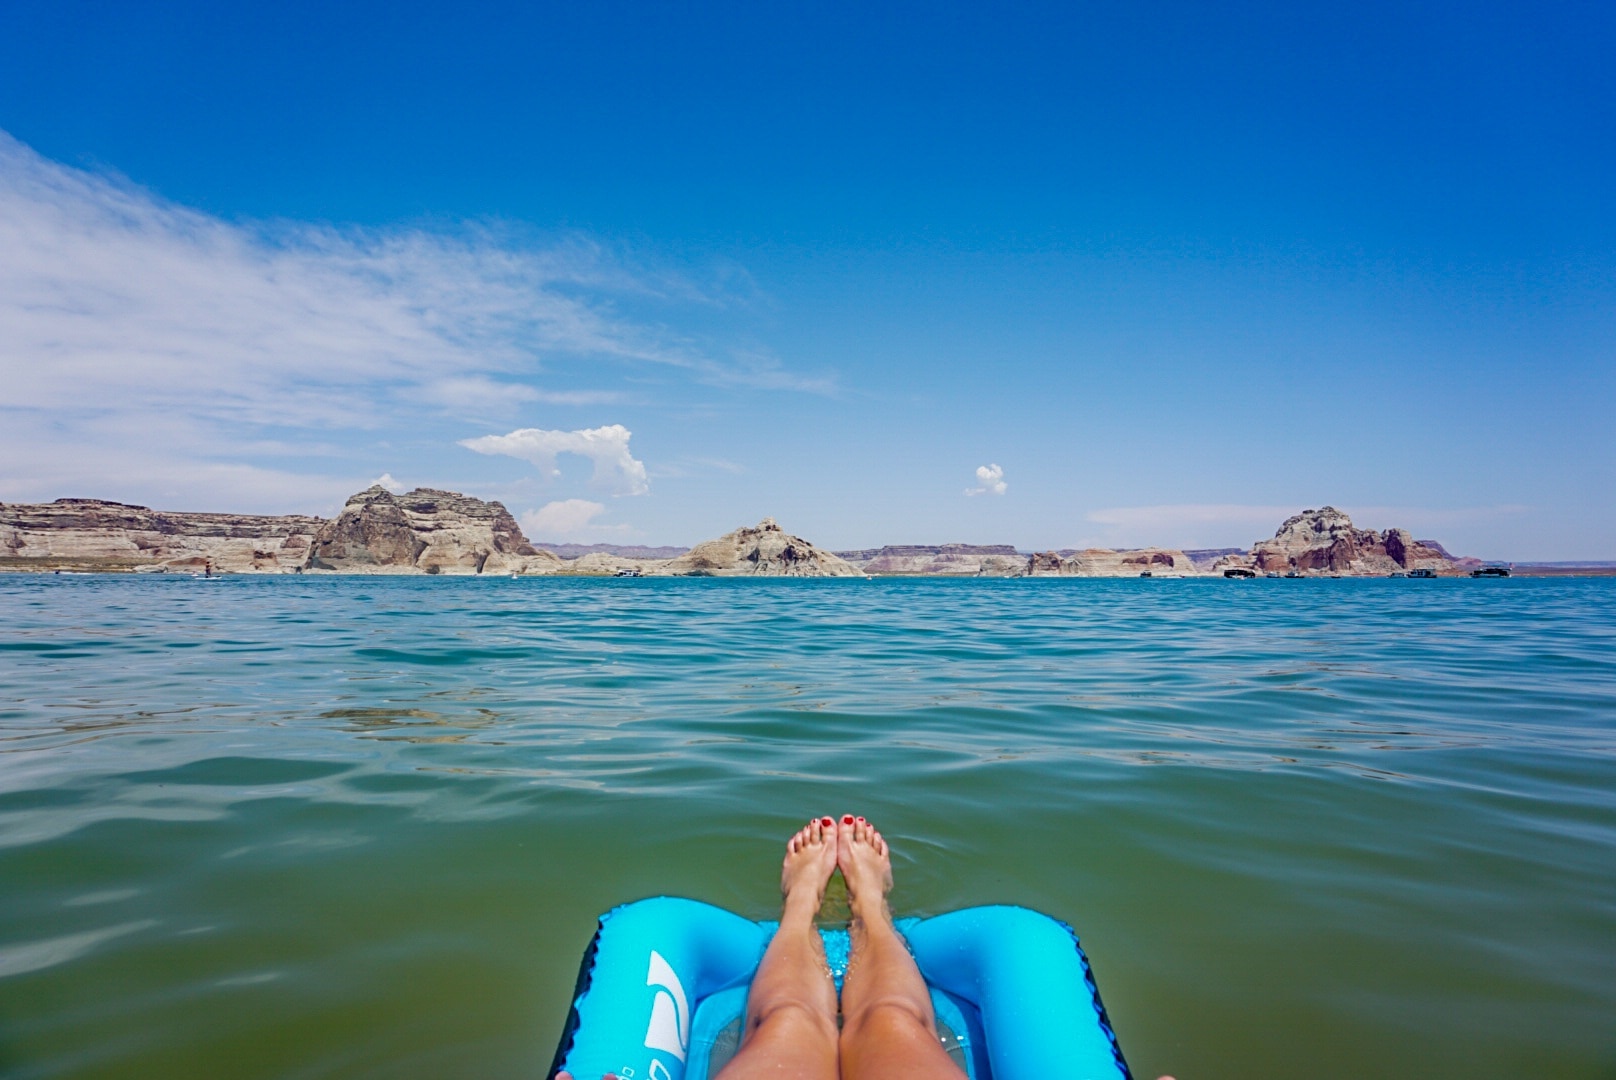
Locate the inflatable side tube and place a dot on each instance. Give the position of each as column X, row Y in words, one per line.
column 642, row 976
column 1027, row 976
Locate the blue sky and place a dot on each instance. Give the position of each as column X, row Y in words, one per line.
column 648, row 272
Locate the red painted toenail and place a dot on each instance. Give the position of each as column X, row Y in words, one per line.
column 826, row 822
column 847, row 819
column 863, row 822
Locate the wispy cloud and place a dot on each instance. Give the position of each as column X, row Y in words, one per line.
column 112, row 298
column 989, row 481
column 134, row 328
column 1174, row 516
column 480, row 395
column 607, row 447
column 1417, row 518
column 687, row 466
column 1185, row 525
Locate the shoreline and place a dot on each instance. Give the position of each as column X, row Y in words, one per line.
column 113, row 567
column 433, row 532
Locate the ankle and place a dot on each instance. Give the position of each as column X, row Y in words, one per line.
column 867, row 911
column 801, row 904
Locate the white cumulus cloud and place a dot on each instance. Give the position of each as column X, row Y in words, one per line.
column 563, row 520
column 386, row 480
column 989, row 481
column 607, row 447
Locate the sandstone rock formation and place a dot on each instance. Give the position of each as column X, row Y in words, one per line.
column 1105, row 562
column 971, row 560
column 443, row 532
column 425, row 531
column 764, row 549
column 1325, row 541
column 93, row 534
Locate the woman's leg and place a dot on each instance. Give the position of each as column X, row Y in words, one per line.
column 791, row 1008
column 888, row 1029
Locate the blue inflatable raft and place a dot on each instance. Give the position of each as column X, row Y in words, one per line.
column 661, row 993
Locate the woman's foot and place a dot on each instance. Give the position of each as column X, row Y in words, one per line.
column 866, row 866
column 810, row 861
column 889, row 1031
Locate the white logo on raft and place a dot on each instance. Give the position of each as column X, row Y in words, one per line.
column 669, row 1029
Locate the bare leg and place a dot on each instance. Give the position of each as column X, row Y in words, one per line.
column 888, row 1031
column 791, row 1008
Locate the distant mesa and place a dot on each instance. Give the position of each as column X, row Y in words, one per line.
column 94, row 534
column 1105, row 562
column 622, row 551
column 952, row 560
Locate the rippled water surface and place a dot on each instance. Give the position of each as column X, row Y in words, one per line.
column 262, row 827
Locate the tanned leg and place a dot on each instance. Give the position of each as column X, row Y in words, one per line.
column 791, row 1009
column 888, row 1029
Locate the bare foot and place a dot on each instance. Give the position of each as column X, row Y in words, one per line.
column 810, row 860
column 866, row 866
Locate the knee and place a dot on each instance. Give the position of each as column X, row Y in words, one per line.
column 795, row 1020
column 889, row 1019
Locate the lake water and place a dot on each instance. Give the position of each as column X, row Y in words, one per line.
column 297, row 827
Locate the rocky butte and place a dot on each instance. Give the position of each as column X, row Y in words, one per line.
column 764, row 549
column 1324, row 541
column 426, row 531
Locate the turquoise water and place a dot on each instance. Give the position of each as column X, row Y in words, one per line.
column 277, row 827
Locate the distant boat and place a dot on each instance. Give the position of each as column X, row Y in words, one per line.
column 628, row 571
column 1491, row 571
column 1146, row 573
column 1292, row 573
column 1423, row 572
column 1397, row 573
column 1272, row 574
column 1239, row 572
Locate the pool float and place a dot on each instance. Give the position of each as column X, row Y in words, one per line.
column 661, row 993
